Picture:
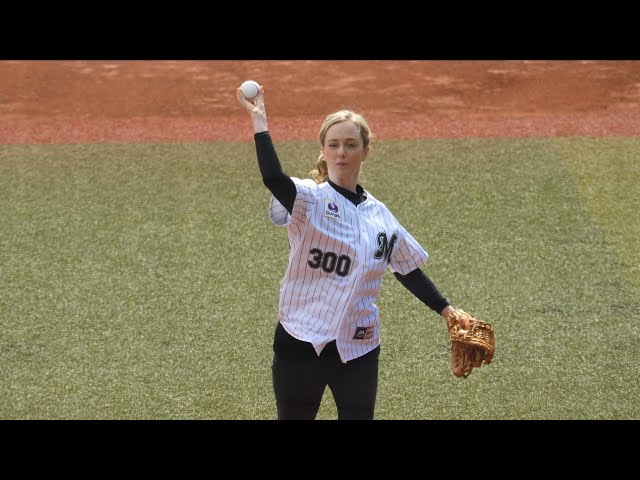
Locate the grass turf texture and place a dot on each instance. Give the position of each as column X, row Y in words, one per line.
column 141, row 281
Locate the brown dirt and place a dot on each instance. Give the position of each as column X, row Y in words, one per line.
column 136, row 101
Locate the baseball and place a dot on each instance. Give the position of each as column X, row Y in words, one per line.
column 250, row 89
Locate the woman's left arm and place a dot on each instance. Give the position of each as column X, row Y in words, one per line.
column 418, row 283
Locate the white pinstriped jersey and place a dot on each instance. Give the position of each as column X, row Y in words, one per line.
column 338, row 255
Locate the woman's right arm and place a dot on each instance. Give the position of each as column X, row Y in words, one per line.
column 280, row 185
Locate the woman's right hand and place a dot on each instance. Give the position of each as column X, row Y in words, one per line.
column 256, row 109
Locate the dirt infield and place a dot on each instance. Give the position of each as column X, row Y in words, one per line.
column 136, row 101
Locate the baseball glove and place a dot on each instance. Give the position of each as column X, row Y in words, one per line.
column 472, row 342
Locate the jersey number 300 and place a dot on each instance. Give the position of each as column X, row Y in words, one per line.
column 330, row 262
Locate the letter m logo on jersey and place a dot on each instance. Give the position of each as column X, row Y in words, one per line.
column 385, row 247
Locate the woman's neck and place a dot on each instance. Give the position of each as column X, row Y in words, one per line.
column 355, row 198
column 348, row 183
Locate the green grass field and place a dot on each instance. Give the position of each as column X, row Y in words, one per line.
column 141, row 281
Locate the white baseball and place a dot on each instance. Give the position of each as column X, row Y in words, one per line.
column 250, row 89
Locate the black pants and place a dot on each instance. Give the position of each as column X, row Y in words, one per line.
column 300, row 377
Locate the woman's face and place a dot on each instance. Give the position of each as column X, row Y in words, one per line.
column 343, row 150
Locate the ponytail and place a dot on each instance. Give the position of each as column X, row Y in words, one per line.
column 321, row 173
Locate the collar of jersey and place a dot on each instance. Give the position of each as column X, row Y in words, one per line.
column 355, row 198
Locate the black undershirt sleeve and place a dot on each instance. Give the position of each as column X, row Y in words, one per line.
column 273, row 177
column 424, row 289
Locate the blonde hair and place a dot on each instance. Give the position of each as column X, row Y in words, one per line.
column 321, row 172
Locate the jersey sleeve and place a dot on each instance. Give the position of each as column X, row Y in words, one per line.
column 306, row 196
column 408, row 254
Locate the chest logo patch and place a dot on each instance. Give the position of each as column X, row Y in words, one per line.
column 332, row 210
column 385, row 246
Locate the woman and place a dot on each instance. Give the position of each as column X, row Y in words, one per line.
column 341, row 240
